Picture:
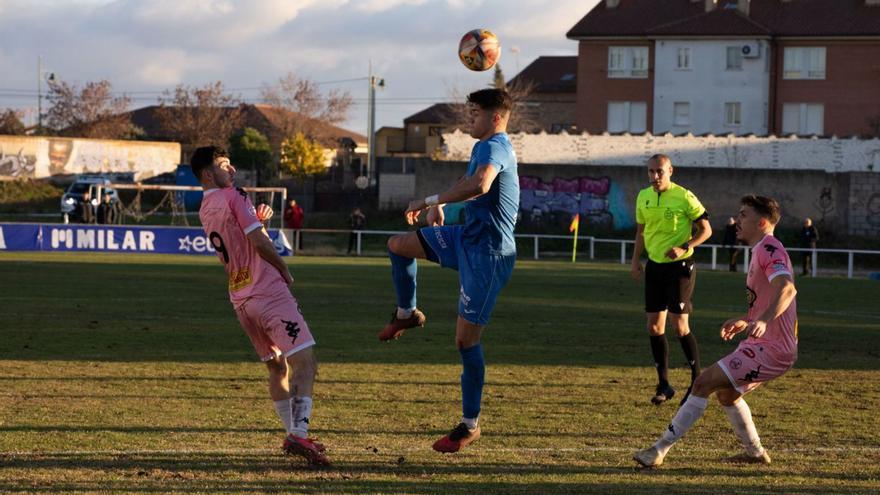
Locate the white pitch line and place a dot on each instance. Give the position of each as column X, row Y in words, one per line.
column 406, row 450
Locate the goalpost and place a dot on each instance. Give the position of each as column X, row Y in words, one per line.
column 174, row 199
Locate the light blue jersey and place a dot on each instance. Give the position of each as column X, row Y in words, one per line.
column 491, row 218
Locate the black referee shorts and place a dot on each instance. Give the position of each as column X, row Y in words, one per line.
column 669, row 286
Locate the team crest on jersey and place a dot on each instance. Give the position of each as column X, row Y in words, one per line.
column 770, row 248
column 751, row 296
column 242, row 192
column 668, row 215
column 240, row 279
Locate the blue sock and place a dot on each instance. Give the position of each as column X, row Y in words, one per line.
column 472, row 376
column 403, row 272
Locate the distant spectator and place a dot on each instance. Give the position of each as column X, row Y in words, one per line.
column 293, row 219
column 808, row 238
column 730, row 242
column 86, row 211
column 107, row 211
column 357, row 221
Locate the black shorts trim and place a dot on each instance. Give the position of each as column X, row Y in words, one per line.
column 430, row 255
column 670, row 286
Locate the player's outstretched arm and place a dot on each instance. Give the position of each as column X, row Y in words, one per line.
column 263, row 244
column 465, row 189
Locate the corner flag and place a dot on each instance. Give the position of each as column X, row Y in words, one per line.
column 575, row 224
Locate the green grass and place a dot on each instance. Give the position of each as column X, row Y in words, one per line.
column 129, row 374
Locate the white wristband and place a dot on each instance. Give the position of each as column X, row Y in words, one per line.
column 432, row 200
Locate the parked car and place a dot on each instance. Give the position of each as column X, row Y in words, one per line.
column 71, row 198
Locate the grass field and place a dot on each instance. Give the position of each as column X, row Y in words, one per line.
column 129, row 374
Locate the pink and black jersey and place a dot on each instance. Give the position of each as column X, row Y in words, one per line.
column 770, row 260
column 228, row 216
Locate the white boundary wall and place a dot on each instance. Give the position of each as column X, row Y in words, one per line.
column 746, row 152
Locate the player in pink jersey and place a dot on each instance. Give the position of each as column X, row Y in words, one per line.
column 259, row 290
column 767, row 353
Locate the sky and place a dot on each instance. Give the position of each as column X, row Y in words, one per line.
column 146, row 46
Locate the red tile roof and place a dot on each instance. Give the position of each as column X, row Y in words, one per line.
column 648, row 18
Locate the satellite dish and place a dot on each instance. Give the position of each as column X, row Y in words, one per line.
column 362, row 182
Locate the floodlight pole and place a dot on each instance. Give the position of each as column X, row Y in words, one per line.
column 39, row 94
column 371, row 132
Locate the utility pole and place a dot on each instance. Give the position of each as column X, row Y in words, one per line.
column 371, row 123
column 39, row 94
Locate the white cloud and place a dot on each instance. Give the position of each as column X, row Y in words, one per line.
column 155, row 44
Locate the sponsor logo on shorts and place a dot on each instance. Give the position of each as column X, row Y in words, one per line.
column 464, row 298
column 439, row 235
column 735, row 364
column 752, row 375
column 240, row 279
column 292, row 329
column 748, row 352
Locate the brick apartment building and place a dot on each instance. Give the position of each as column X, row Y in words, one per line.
column 806, row 67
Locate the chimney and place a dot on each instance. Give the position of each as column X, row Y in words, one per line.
column 743, row 6
column 611, row 4
column 710, row 5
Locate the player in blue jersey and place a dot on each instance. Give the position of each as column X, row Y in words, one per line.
column 482, row 250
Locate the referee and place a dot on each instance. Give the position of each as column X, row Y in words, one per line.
column 666, row 214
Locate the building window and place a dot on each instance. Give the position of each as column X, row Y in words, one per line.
column 804, row 63
column 732, row 113
column 435, row 131
column 734, row 58
column 628, row 62
column 683, row 61
column 627, row 116
column 804, row 119
column 681, row 113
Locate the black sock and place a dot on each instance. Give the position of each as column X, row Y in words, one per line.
column 660, row 350
column 692, row 353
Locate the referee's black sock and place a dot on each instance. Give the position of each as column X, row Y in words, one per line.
column 660, row 350
column 692, row 353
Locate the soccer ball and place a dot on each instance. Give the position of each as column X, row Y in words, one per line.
column 479, row 49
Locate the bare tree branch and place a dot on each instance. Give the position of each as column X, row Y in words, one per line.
column 90, row 112
column 199, row 116
column 308, row 111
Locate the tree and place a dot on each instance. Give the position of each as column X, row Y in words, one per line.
column 309, row 112
column 302, row 157
column 90, row 112
column 10, row 123
column 249, row 149
column 199, row 116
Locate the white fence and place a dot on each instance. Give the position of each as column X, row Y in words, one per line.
column 591, row 243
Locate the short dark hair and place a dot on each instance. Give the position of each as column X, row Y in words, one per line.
column 492, row 99
column 765, row 207
column 660, row 159
column 203, row 159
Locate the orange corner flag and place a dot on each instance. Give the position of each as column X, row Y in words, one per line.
column 575, row 223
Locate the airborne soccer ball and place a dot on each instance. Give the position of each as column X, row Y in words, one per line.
column 479, row 49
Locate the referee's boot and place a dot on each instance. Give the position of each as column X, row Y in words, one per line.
column 663, row 393
column 395, row 328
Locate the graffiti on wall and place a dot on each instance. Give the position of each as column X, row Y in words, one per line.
column 16, row 165
column 37, row 157
column 598, row 201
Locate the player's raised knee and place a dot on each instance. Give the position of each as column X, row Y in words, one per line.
column 394, row 243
